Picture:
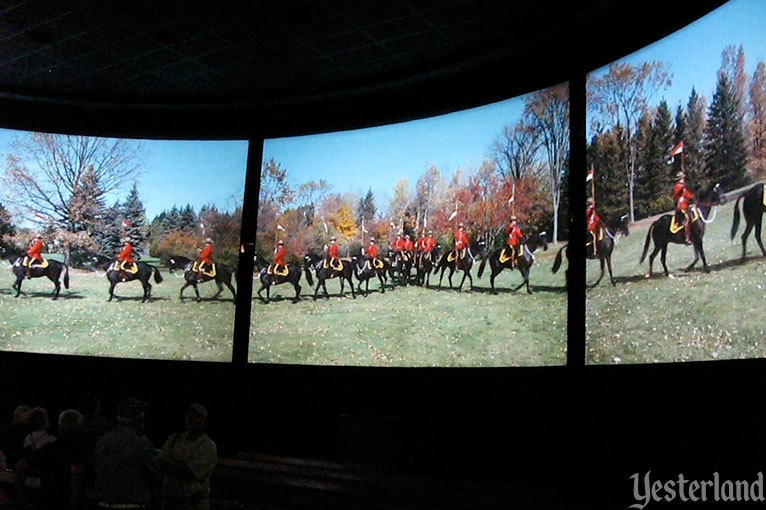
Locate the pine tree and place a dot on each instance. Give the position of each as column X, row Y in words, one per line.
column 6, row 227
column 365, row 210
column 107, row 235
column 693, row 137
column 172, row 220
column 135, row 215
column 187, row 219
column 725, row 154
column 658, row 174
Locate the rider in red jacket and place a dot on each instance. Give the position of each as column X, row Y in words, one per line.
column 332, row 254
column 593, row 222
column 461, row 243
column 34, row 253
column 683, row 198
column 279, row 256
column 126, row 254
column 515, row 237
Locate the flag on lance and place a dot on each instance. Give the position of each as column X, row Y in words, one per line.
column 678, row 149
column 589, row 176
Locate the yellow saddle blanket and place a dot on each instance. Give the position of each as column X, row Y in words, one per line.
column 676, row 227
column 131, row 268
column 503, row 257
column 764, row 194
column 452, row 256
column 335, row 264
column 281, row 272
column 211, row 273
column 25, row 263
column 377, row 264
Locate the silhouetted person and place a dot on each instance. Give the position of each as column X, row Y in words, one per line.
column 12, row 435
column 187, row 460
column 62, row 464
column 124, row 461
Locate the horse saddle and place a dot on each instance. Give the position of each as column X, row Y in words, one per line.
column 676, row 227
column 375, row 264
column 454, row 255
column 764, row 194
column 273, row 269
column 196, row 268
column 26, row 263
column 405, row 257
column 131, row 268
column 335, row 264
column 505, row 258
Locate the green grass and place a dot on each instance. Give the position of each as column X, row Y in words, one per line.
column 416, row 326
column 693, row 316
column 82, row 322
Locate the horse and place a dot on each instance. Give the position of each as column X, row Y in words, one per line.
column 293, row 276
column 364, row 271
column 143, row 274
column 605, row 241
column 314, row 261
column 424, row 266
column 557, row 260
column 223, row 276
column 660, row 233
column 753, row 208
column 52, row 270
column 401, row 262
column 476, row 250
column 524, row 261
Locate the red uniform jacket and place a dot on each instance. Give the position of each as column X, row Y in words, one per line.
column 126, row 255
column 682, row 196
column 514, row 235
column 35, row 251
column 430, row 244
column 399, row 244
column 206, row 253
column 372, row 251
column 333, row 251
column 461, row 239
column 591, row 216
column 408, row 245
column 279, row 255
column 420, row 244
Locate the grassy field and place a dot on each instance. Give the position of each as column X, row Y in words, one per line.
column 405, row 327
column 82, row 322
column 691, row 316
column 416, row 326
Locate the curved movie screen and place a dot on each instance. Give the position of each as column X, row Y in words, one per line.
column 388, row 246
column 99, row 238
column 677, row 155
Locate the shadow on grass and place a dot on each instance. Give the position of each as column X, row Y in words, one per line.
column 63, row 295
column 138, row 298
column 681, row 272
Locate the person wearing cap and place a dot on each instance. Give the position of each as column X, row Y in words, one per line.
column 398, row 243
column 420, row 248
column 279, row 257
column 126, row 472
column 34, row 253
column 683, row 198
column 371, row 254
column 204, row 256
column 430, row 244
column 125, row 257
column 332, row 255
column 461, row 243
column 187, row 459
column 515, row 238
column 593, row 222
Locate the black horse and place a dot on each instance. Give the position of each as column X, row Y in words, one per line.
column 223, row 276
column 364, row 271
column 143, row 274
column 425, row 264
column 524, row 261
column 464, row 264
column 401, row 263
column 753, row 209
column 293, row 276
column 557, row 260
column 52, row 270
column 317, row 263
column 660, row 232
column 605, row 241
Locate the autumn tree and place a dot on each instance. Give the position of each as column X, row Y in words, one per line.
column 620, row 98
column 756, row 120
column 548, row 113
column 275, row 193
column 515, row 150
column 46, row 174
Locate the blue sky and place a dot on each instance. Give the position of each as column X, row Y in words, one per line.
column 179, row 173
column 693, row 53
column 376, row 158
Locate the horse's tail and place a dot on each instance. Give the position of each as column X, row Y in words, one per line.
column 157, row 274
column 66, row 276
column 646, row 243
column 309, row 278
column 481, row 266
column 557, row 260
column 735, row 221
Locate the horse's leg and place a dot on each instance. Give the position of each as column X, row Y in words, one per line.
column 702, row 254
column 663, row 255
column 297, row 287
column 525, row 274
column 263, row 286
column 748, row 227
column 342, row 285
column 181, row 294
column 231, row 288
column 147, row 290
column 111, row 289
column 57, row 285
column 493, row 273
column 382, row 286
column 441, row 275
column 449, row 277
column 324, row 288
column 601, row 262
column 609, row 266
column 758, row 223
column 696, row 255
column 17, row 285
column 462, row 280
column 653, row 255
column 196, row 291
column 470, row 280
column 220, row 288
column 316, row 291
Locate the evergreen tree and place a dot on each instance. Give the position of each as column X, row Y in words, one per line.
column 172, row 220
column 187, row 220
column 725, row 154
column 6, row 227
column 658, row 175
column 135, row 214
column 107, row 235
column 693, row 136
column 607, row 156
column 366, row 208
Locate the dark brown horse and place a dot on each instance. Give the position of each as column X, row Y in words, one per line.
column 52, row 269
column 606, row 238
column 524, row 261
column 660, row 232
column 753, row 209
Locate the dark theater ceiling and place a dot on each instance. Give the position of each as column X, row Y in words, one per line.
column 274, row 56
